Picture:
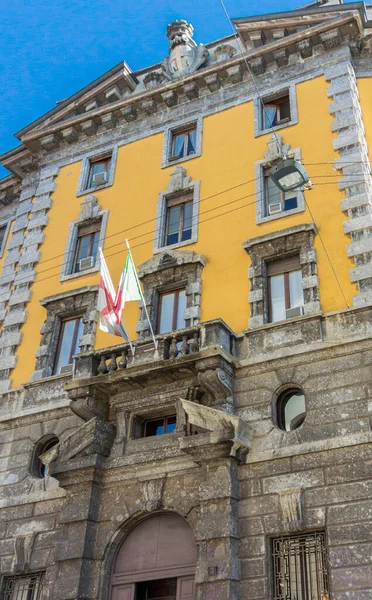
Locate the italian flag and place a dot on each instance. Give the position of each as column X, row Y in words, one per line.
column 129, row 287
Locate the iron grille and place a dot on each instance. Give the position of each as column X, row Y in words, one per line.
column 23, row 587
column 300, row 567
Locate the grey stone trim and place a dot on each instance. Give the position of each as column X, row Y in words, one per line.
column 167, row 271
column 351, row 143
column 167, row 146
column 74, row 303
column 259, row 168
column 68, row 257
column 275, row 246
column 84, row 173
column 180, row 184
column 7, row 224
column 270, row 94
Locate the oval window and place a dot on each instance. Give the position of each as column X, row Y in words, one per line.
column 38, row 469
column 291, row 409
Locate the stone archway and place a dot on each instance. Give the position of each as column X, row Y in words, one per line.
column 156, row 560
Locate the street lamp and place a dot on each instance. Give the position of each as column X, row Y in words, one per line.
column 288, row 175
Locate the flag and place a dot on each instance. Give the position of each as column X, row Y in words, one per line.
column 109, row 317
column 128, row 288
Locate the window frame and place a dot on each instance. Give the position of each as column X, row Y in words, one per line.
column 180, row 200
column 262, row 216
column 78, row 319
column 68, row 263
column 271, row 95
column 161, row 295
column 167, row 159
column 276, row 103
column 106, row 161
column 163, row 418
column 12, row 579
column 186, row 132
column 6, row 224
column 275, row 572
column 291, row 267
column 83, row 187
column 80, row 236
column 282, row 195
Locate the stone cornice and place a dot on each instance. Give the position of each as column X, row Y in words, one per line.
column 209, row 80
column 9, row 190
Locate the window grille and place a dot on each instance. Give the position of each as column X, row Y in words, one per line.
column 23, row 587
column 300, row 567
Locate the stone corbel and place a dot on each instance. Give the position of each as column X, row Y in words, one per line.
column 88, row 403
column 94, row 437
column 23, row 545
column 218, row 385
column 291, row 509
column 152, row 494
column 230, row 432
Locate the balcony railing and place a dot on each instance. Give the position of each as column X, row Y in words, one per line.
column 172, row 346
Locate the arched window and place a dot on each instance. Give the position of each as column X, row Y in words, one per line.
column 156, row 560
column 290, row 409
column 38, row 468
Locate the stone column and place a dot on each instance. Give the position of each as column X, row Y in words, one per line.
column 77, row 572
column 218, row 567
column 356, row 179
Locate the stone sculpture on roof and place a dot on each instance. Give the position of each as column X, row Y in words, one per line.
column 185, row 56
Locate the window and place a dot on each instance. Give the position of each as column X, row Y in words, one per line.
column 159, row 426
column 98, row 172
column 183, row 142
column 178, row 226
column 276, row 200
column 68, row 344
column 285, row 292
column 276, row 111
column 38, row 468
column 171, row 315
column 300, row 567
column 23, row 587
column 290, row 409
column 88, row 236
column 3, row 230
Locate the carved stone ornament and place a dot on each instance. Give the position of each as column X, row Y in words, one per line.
column 153, row 79
column 291, row 509
column 23, row 545
column 89, row 208
column 276, row 148
column 218, row 385
column 185, row 56
column 179, row 180
column 152, row 494
column 223, row 52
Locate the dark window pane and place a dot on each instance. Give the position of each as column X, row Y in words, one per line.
column 154, row 427
column 2, row 235
column 290, row 203
column 285, row 112
column 69, row 336
column 171, row 424
column 165, row 589
column 173, row 225
column 187, row 221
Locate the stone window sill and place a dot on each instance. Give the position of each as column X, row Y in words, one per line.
column 94, row 189
column 80, row 274
column 276, row 128
column 281, row 215
column 171, row 163
column 175, row 246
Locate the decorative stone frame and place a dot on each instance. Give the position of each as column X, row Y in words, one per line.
column 276, row 246
column 82, row 301
column 85, row 167
column 180, row 183
column 272, row 94
column 90, row 210
column 276, row 151
column 5, row 223
column 167, row 146
column 168, row 271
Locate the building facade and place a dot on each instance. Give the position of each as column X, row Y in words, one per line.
column 232, row 461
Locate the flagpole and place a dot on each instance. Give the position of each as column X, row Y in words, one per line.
column 143, row 299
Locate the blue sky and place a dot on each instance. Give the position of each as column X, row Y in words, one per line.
column 52, row 48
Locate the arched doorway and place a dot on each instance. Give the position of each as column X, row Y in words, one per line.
column 156, row 561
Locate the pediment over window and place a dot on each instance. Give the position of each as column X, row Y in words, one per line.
column 169, row 259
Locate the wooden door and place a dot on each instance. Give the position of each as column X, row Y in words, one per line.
column 186, row 588
column 123, row 592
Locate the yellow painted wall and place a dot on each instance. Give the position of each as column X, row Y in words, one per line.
column 365, row 96
column 228, row 156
